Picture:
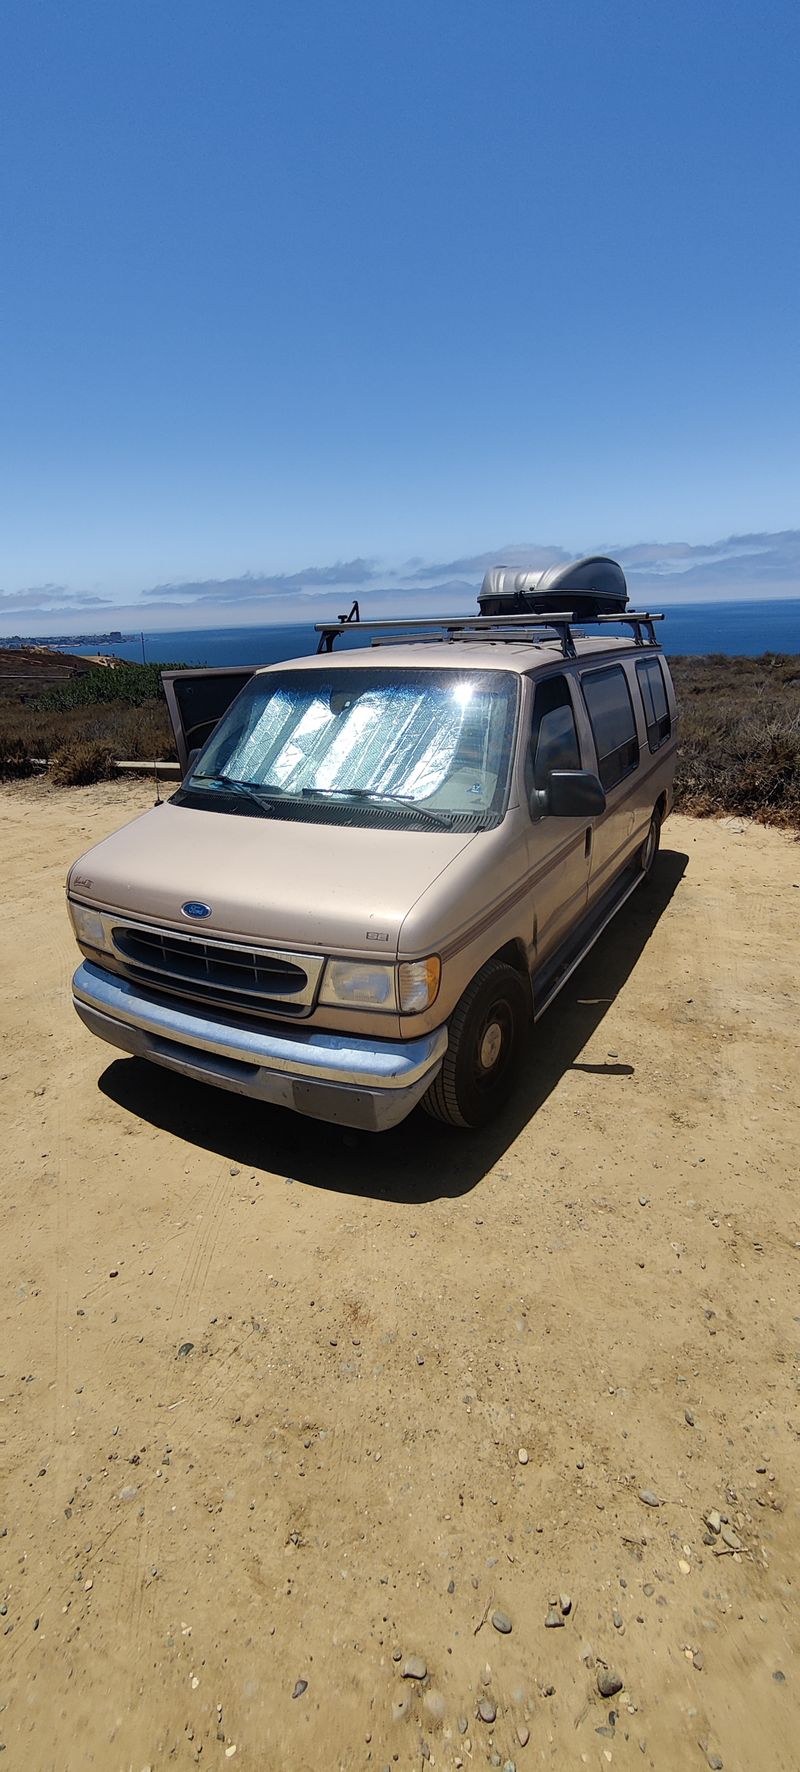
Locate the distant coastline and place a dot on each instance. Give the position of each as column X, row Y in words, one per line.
column 735, row 629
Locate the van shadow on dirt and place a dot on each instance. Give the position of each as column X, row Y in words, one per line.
column 420, row 1159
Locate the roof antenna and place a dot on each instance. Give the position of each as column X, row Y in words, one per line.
column 158, row 801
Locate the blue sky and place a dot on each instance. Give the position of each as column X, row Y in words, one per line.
column 349, row 295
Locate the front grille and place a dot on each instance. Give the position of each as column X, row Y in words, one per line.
column 219, row 971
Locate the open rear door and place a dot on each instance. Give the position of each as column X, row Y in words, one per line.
column 197, row 700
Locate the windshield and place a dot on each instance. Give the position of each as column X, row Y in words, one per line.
column 435, row 743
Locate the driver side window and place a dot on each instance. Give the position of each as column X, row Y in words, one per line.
column 554, row 738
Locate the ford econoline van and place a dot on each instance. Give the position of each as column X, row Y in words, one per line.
column 383, row 861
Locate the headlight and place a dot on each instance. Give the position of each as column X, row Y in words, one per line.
column 418, row 984
column 88, row 925
column 355, row 984
column 364, row 984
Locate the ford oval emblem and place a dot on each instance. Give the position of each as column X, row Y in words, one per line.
column 193, row 908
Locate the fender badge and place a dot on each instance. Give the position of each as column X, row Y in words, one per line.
column 193, row 908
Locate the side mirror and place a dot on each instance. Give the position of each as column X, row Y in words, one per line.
column 192, row 758
column 570, row 793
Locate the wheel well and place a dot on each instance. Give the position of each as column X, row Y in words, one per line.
column 661, row 806
column 513, row 954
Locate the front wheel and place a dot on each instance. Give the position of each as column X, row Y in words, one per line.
column 485, row 1040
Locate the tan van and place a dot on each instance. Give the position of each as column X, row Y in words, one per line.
column 384, row 861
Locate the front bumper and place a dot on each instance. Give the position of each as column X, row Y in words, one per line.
column 352, row 1082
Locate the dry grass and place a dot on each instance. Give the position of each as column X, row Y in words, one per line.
column 740, row 725
column 740, row 736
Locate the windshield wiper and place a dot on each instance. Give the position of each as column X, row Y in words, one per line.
column 243, row 788
column 444, row 819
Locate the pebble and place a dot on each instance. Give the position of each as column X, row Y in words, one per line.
column 730, row 1538
column 779, row 1677
column 509, row 1766
column 649, row 1497
column 565, row 1602
column 462, row 1725
column 616, row 1619
column 487, row 1710
column 184, row 1349
column 435, row 1705
column 523, row 1455
column 127, row 1494
column 698, row 1660
column 523, row 1734
column 608, row 1683
column 554, row 1620
column 502, row 1623
column 415, row 1668
column 714, row 1521
column 714, row 1761
column 301, row 1686
column 397, row 1654
column 643, row 1200
column 688, row 1417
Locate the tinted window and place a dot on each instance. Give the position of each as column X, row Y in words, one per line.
column 554, row 740
column 614, row 727
column 654, row 698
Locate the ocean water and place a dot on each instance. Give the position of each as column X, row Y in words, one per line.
column 734, row 628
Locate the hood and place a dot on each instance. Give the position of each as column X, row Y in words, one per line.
column 326, row 888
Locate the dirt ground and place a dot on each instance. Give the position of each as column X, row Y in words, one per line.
column 267, row 1385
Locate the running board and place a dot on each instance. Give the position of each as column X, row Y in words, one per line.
column 572, row 965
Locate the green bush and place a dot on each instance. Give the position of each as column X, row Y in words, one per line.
column 80, row 763
column 133, row 684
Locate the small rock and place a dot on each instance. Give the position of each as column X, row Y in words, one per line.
column 608, row 1682
column 616, row 1619
column 714, row 1761
column 779, row 1677
column 435, row 1705
column 184, row 1349
column 301, row 1686
column 397, row 1654
column 523, row 1734
column 127, row 1494
column 565, row 1602
column 522, row 1455
column 509, row 1766
column 688, row 1417
column 415, row 1668
column 649, row 1498
column 502, row 1623
column 698, row 1660
column 554, row 1620
column 730, row 1538
column 714, row 1521
column 643, row 1200
column 451, row 1587
column 761, row 1470
column 487, row 1710
column 462, row 1725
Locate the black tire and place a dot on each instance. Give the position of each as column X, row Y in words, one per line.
column 650, row 846
column 488, row 1025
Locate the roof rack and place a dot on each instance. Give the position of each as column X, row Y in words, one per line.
column 490, row 627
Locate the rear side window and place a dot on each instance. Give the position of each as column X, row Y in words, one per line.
column 611, row 713
column 554, row 739
column 654, row 698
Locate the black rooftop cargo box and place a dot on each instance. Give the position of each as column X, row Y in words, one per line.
column 594, row 586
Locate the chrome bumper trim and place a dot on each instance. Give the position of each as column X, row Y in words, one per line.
column 305, row 1054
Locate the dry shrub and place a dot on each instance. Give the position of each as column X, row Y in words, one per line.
column 14, row 759
column 739, row 736
column 80, row 763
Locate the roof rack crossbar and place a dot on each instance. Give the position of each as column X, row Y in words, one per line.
column 492, row 627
